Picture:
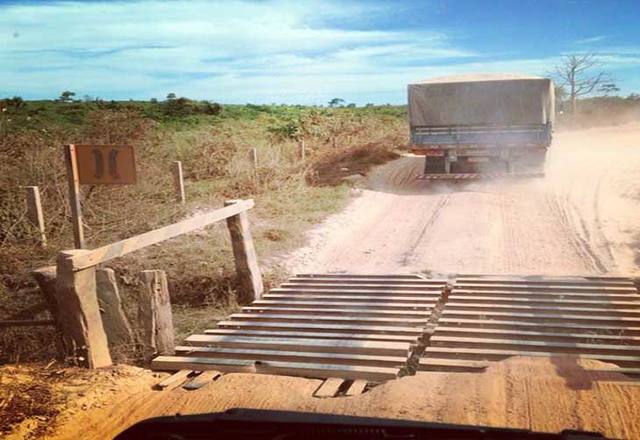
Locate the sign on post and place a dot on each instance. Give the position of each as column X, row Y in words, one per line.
column 106, row 164
column 95, row 165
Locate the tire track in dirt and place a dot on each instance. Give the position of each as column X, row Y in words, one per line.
column 440, row 205
column 561, row 206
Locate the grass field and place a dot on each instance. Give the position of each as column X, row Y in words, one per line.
column 213, row 144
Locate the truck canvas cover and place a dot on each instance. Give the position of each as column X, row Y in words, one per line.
column 481, row 100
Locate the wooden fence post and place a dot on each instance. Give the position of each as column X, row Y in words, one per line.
column 73, row 181
column 154, row 312
column 178, row 180
column 247, row 269
column 303, row 151
column 80, row 322
column 253, row 154
column 115, row 322
column 34, row 211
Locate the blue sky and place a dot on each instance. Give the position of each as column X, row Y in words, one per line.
column 279, row 51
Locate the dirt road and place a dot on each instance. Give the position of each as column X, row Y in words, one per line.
column 578, row 219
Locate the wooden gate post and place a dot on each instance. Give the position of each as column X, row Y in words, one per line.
column 80, row 319
column 251, row 287
column 73, row 181
column 154, row 312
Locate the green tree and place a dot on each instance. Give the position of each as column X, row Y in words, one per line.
column 608, row 88
column 335, row 102
column 66, row 96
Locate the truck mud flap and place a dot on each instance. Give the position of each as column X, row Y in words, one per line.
column 477, row 176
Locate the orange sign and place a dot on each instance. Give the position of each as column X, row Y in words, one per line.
column 105, row 164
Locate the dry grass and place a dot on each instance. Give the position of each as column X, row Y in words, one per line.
column 291, row 195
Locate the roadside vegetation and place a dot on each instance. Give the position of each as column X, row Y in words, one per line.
column 214, row 144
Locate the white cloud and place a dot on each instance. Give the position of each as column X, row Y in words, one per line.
column 230, row 51
column 145, row 48
column 591, row 40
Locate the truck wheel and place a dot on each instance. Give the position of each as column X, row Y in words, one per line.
column 434, row 165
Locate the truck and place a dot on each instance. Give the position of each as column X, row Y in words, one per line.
column 481, row 124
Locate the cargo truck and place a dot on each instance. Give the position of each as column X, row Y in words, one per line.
column 481, row 125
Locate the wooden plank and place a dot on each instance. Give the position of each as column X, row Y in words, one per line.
column 548, row 336
column 319, row 335
column 564, row 326
column 123, row 247
column 545, row 280
column 77, row 302
column 356, row 388
column 154, row 312
column 329, row 387
column 372, row 299
column 302, row 344
column 427, row 363
column 543, row 302
column 285, row 316
column 547, row 346
column 368, row 280
column 174, row 381
column 201, row 380
column 432, row 293
column 34, row 212
column 347, row 304
column 175, row 363
column 479, row 308
column 307, row 327
column 259, row 354
column 496, row 355
column 372, row 286
column 549, row 295
column 373, row 374
column 350, row 275
column 548, row 317
column 244, row 252
column 547, row 287
column 404, row 317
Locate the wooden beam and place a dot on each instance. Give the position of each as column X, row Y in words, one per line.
column 329, row 387
column 178, row 181
column 248, row 271
column 356, row 388
column 154, row 312
column 77, row 300
column 303, row 344
column 201, row 380
column 34, row 212
column 173, row 381
column 128, row 245
column 73, row 181
column 259, row 354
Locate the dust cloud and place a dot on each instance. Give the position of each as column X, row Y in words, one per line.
column 579, row 219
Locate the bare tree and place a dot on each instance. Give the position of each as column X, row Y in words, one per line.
column 573, row 72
